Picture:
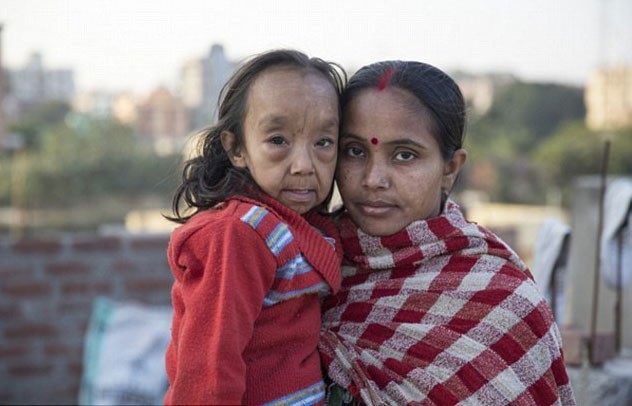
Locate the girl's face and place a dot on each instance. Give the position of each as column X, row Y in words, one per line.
column 290, row 136
column 391, row 171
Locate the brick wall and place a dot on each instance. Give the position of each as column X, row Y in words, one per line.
column 47, row 287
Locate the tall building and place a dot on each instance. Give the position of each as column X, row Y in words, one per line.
column 34, row 83
column 608, row 97
column 162, row 121
column 479, row 90
column 95, row 103
column 191, row 86
column 192, row 92
column 201, row 83
column 3, row 122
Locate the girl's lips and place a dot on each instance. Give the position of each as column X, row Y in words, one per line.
column 299, row 195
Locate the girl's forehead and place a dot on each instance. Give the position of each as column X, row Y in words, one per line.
column 280, row 73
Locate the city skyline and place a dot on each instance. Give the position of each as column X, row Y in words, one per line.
column 140, row 45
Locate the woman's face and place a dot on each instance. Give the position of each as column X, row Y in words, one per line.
column 390, row 168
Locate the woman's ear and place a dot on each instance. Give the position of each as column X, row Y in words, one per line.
column 235, row 153
column 452, row 168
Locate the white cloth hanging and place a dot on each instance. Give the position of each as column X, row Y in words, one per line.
column 617, row 229
column 549, row 247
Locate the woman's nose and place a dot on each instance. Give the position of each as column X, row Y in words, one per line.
column 376, row 176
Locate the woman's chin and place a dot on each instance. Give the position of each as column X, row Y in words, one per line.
column 379, row 227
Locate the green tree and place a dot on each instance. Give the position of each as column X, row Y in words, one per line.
column 98, row 159
column 34, row 123
column 574, row 150
column 522, row 116
column 529, row 112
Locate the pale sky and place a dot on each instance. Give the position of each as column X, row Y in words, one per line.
column 139, row 44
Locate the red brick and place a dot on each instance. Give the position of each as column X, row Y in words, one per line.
column 27, row 290
column 29, row 370
column 82, row 305
column 83, row 325
column 68, row 391
column 26, row 330
column 97, row 244
column 59, row 349
column 75, row 368
column 158, row 242
column 154, row 284
column 38, row 246
column 125, row 266
column 17, row 350
column 15, row 272
column 9, row 311
column 73, row 288
column 67, row 267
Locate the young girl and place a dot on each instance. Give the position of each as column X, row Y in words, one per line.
column 251, row 260
column 433, row 309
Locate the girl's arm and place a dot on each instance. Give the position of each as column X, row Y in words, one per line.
column 227, row 272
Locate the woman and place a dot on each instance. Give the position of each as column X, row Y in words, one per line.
column 433, row 309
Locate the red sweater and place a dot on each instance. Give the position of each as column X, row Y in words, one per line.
column 246, row 309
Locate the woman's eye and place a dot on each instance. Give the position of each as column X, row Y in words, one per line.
column 354, row 152
column 405, row 156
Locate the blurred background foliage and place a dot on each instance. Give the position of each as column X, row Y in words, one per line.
column 69, row 161
column 533, row 141
column 526, row 148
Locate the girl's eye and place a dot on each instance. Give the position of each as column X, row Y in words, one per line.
column 325, row 142
column 405, row 156
column 354, row 151
column 277, row 140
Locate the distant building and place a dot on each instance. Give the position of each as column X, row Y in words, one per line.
column 608, row 98
column 34, row 83
column 201, row 82
column 95, row 103
column 103, row 104
column 125, row 108
column 479, row 90
column 162, row 121
column 3, row 115
column 191, row 92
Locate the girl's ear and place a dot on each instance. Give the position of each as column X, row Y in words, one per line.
column 452, row 168
column 235, row 154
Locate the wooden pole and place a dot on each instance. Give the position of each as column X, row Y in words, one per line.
column 619, row 299
column 597, row 276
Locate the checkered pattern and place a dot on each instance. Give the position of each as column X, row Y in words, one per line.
column 441, row 313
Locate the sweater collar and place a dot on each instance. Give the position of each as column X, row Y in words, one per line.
column 308, row 230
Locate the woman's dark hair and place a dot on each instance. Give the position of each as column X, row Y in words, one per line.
column 436, row 91
column 210, row 178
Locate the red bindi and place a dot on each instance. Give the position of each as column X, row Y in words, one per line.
column 374, row 141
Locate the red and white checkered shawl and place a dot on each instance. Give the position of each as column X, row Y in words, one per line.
column 441, row 313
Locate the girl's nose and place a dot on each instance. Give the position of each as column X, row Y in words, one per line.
column 303, row 162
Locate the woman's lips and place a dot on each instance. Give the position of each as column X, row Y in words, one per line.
column 375, row 208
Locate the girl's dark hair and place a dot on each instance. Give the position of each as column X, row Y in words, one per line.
column 210, row 178
column 436, row 91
